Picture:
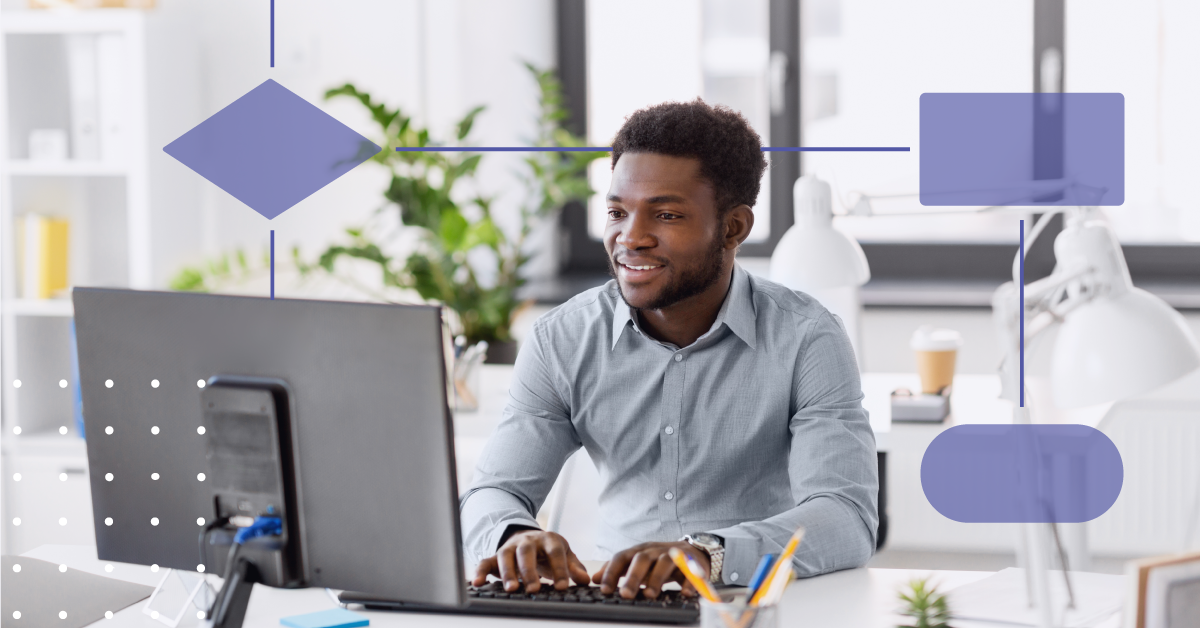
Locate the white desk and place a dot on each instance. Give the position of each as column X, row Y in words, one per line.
column 863, row 598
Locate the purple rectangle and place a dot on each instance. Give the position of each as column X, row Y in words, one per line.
column 1022, row 149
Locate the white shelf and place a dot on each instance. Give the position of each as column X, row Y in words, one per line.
column 45, row 444
column 65, row 168
column 40, row 307
column 57, row 21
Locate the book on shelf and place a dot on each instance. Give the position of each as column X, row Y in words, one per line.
column 42, row 256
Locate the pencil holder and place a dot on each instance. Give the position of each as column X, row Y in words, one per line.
column 738, row 615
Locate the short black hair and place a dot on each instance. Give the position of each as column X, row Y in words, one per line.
column 729, row 150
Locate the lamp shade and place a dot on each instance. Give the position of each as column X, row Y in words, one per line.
column 812, row 254
column 1118, row 346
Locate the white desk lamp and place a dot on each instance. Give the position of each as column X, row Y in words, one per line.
column 1108, row 341
column 818, row 259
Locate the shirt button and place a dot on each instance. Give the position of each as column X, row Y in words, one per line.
column 678, row 357
column 733, row 577
column 669, row 496
column 670, row 430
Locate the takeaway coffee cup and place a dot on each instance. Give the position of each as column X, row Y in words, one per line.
column 936, row 350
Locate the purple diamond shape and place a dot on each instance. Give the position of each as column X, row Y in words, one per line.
column 271, row 149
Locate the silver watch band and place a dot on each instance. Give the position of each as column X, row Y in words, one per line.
column 715, row 551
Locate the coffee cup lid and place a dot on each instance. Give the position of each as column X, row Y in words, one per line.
column 930, row 338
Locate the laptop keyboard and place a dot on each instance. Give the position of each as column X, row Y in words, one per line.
column 577, row 594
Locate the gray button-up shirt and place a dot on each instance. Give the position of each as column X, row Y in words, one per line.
column 752, row 430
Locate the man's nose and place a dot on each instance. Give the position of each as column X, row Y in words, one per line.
column 637, row 233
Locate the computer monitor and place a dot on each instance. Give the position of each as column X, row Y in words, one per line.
column 375, row 439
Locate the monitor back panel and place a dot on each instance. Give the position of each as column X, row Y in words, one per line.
column 378, row 495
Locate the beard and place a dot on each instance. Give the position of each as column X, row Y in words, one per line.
column 689, row 282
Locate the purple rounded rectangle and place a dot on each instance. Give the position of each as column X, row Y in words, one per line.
column 1022, row 473
column 1022, row 149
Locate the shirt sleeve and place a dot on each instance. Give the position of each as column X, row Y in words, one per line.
column 522, row 459
column 832, row 465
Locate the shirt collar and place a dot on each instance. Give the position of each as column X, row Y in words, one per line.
column 737, row 312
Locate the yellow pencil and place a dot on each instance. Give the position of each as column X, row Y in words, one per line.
column 784, row 558
column 702, row 587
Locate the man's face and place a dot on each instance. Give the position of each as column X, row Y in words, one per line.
column 664, row 240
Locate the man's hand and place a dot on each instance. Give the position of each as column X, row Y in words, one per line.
column 530, row 555
column 647, row 564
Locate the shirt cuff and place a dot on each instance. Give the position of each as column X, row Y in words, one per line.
column 742, row 553
column 502, row 527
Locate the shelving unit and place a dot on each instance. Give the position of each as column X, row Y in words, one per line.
column 107, row 202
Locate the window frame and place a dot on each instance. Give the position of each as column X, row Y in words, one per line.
column 1170, row 270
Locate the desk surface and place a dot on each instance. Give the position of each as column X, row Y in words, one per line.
column 864, row 598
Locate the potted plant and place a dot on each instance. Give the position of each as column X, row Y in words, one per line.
column 424, row 189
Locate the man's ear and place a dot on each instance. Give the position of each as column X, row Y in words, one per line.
column 738, row 223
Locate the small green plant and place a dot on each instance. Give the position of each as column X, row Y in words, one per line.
column 925, row 605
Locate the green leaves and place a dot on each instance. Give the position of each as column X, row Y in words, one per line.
column 464, row 125
column 925, row 605
column 423, row 189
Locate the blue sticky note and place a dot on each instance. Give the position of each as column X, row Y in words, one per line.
column 332, row 618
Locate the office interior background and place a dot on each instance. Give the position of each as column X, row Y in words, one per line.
column 803, row 72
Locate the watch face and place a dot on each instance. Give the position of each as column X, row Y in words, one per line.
column 704, row 538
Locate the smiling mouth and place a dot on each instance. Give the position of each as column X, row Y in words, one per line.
column 640, row 267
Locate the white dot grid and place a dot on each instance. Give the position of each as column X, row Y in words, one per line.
column 200, row 430
column 62, row 383
column 62, row 430
column 200, row 568
column 153, row 614
column 16, row 383
column 62, row 477
column 108, row 568
column 62, row 521
column 108, row 477
column 16, row 521
column 154, row 383
column 154, row 476
column 17, row 430
column 108, row 430
column 16, row 477
column 108, row 383
column 62, row 569
column 154, row 567
column 200, row 521
column 199, row 614
column 199, row 383
column 17, row 567
column 154, row 430
column 153, row 521
column 108, row 521
column 108, row 614
column 62, row 614
column 16, row 614
column 200, row 477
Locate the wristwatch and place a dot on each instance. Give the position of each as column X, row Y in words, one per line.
column 712, row 545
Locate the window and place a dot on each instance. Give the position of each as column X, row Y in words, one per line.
column 643, row 53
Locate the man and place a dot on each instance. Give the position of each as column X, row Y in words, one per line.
column 722, row 410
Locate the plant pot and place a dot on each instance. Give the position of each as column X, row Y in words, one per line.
column 501, row 353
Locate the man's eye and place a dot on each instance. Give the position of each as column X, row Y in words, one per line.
column 614, row 213
column 666, row 216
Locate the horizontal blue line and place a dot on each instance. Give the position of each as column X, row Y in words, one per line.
column 836, row 149
column 500, row 149
column 605, row 149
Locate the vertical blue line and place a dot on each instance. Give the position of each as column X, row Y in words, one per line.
column 272, row 264
column 272, row 34
column 1021, row 308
